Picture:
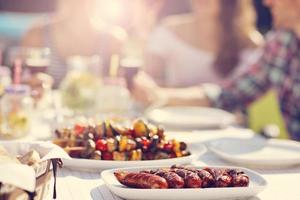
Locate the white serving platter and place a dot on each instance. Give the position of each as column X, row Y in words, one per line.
column 257, row 184
column 98, row 165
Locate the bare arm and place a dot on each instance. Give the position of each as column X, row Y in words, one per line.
column 146, row 91
column 191, row 96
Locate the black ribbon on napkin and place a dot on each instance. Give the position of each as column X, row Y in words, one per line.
column 55, row 163
column 31, row 195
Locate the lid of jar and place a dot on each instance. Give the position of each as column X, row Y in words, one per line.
column 18, row 89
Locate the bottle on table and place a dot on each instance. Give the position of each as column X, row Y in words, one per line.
column 5, row 79
column 15, row 107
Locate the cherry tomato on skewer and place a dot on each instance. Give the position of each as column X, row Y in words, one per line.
column 101, row 145
column 79, row 129
column 107, row 156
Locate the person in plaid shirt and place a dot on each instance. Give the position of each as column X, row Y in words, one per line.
column 278, row 68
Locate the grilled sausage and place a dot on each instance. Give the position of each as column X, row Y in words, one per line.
column 173, row 180
column 192, row 169
column 222, row 178
column 141, row 180
column 239, row 178
column 207, row 178
column 191, row 179
column 240, row 181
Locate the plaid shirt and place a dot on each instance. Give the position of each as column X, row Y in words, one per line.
column 278, row 68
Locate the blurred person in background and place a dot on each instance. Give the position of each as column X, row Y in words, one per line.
column 208, row 45
column 140, row 18
column 74, row 30
column 278, row 68
column 143, row 15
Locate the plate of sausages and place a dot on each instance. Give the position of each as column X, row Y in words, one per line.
column 180, row 182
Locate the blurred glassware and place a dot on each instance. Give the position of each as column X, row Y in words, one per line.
column 133, row 47
column 81, row 85
column 13, row 53
column 37, row 60
column 114, row 97
column 5, row 79
column 92, row 64
column 36, row 64
column 41, row 87
column 34, row 59
column 16, row 105
column 129, row 67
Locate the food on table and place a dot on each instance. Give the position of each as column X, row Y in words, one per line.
column 183, row 177
column 115, row 140
column 206, row 178
column 191, row 179
column 172, row 178
column 142, row 180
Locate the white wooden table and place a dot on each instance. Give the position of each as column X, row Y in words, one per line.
column 282, row 184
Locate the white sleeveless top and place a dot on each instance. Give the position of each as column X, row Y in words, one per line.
column 186, row 65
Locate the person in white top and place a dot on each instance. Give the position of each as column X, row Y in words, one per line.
column 211, row 44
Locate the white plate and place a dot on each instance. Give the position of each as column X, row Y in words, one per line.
column 258, row 152
column 190, row 117
column 257, row 184
column 97, row 165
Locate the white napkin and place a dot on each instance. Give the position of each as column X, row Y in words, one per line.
column 19, row 175
column 23, row 176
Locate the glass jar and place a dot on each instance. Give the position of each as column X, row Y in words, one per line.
column 80, row 86
column 114, row 97
column 37, row 60
column 129, row 68
column 5, row 79
column 16, row 105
